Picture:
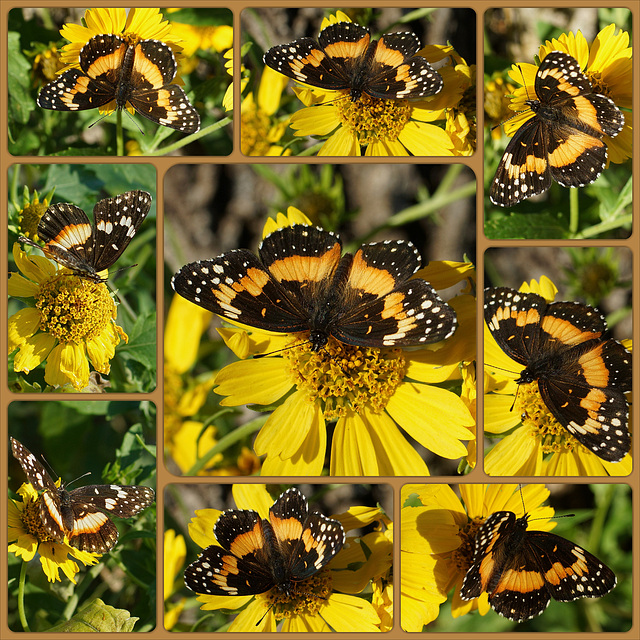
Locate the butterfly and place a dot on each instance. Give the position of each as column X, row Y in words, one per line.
column 345, row 58
column 257, row 554
column 522, row 570
column 81, row 515
column 563, row 141
column 87, row 249
column 582, row 375
column 136, row 73
column 300, row 282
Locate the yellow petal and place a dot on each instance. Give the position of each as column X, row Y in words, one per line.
column 67, row 363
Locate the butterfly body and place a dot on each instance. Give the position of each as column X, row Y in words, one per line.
column 345, row 58
column 81, row 515
column 301, row 283
column 582, row 375
column 563, row 141
column 257, row 554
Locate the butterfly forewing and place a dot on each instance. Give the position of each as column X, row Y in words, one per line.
column 116, row 222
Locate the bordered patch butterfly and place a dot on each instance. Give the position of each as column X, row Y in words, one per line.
column 256, row 554
column 301, row 283
column 521, row 570
column 73, row 242
column 582, row 375
column 138, row 73
column 82, row 515
column 563, row 140
column 345, row 58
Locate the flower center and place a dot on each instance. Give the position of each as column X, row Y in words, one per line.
column 32, row 521
column 30, row 217
column 373, row 119
column 462, row 557
column 534, row 412
column 74, row 309
column 344, row 378
column 254, row 133
column 307, row 596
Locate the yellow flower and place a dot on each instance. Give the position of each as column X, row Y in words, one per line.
column 608, row 66
column 259, row 131
column 381, row 127
column 70, row 321
column 438, row 537
column 536, row 444
column 496, row 103
column 175, row 552
column 368, row 392
column 27, row 537
column 189, row 441
column 323, row 602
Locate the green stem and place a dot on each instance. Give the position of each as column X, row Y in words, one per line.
column 603, row 227
column 119, row 134
column 87, row 579
column 442, row 197
column 22, row 580
column 574, row 211
column 225, row 442
column 192, row 138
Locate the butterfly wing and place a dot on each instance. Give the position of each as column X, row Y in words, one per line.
column 524, row 168
column 241, row 565
column 587, row 398
column 570, row 571
column 36, row 474
column 307, row 541
column 237, row 286
column 116, row 222
column 514, row 319
column 94, row 84
column 397, row 73
column 384, row 308
column 489, row 556
column 150, row 92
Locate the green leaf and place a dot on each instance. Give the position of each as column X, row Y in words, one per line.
column 21, row 104
column 97, row 616
column 528, row 225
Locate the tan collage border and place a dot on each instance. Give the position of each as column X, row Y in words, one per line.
column 163, row 164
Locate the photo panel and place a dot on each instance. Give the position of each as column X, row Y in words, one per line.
column 82, row 551
column 287, row 557
column 348, row 305
column 369, row 81
column 82, row 317
column 478, row 558
column 165, row 73
column 557, row 361
column 558, row 105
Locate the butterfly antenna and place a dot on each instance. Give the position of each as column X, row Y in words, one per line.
column 88, row 473
column 517, row 113
column 293, row 346
column 265, row 613
column 563, row 515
